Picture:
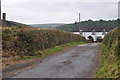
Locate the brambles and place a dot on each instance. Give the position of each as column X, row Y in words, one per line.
column 27, row 42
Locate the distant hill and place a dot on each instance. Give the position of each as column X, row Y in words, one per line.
column 89, row 25
column 12, row 23
column 66, row 27
column 47, row 25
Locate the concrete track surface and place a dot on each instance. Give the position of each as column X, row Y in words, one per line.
column 75, row 62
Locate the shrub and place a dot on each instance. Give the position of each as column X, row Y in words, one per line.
column 40, row 53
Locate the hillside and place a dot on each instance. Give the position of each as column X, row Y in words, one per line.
column 12, row 23
column 88, row 25
column 66, row 27
column 47, row 25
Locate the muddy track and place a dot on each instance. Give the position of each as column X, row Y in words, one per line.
column 75, row 62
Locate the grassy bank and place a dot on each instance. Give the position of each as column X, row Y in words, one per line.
column 109, row 67
column 110, row 57
column 53, row 50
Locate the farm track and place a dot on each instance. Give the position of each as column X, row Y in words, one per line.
column 75, row 62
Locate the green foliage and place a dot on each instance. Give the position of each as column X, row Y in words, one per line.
column 110, row 64
column 40, row 53
column 16, row 27
column 88, row 24
column 61, row 47
column 26, row 42
column 52, row 50
column 66, row 27
column 109, row 67
column 112, row 41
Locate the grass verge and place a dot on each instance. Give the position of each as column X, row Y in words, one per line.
column 109, row 64
column 52, row 50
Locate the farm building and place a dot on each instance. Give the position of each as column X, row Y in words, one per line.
column 92, row 33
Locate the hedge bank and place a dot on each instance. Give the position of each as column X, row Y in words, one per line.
column 110, row 59
column 28, row 42
column 112, row 41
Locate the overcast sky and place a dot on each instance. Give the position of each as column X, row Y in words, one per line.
column 59, row 11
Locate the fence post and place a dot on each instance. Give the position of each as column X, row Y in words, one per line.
column 4, row 20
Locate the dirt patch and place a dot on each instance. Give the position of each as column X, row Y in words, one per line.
column 66, row 62
column 19, row 66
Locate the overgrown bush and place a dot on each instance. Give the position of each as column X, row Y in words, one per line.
column 27, row 42
column 112, row 41
column 110, row 59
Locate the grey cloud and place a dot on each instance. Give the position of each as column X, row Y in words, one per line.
column 53, row 12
